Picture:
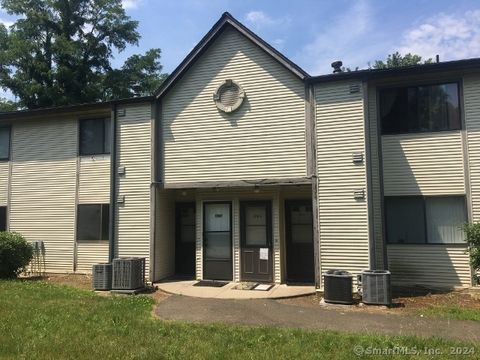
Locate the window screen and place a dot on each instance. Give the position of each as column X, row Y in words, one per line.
column 93, row 222
column 445, row 216
column 3, row 218
column 4, row 143
column 94, row 136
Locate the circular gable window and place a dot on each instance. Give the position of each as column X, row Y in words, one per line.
column 229, row 96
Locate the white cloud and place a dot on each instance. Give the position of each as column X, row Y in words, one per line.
column 343, row 39
column 452, row 36
column 131, row 4
column 278, row 43
column 260, row 19
column 7, row 23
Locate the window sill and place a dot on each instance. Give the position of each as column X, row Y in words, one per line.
column 428, row 244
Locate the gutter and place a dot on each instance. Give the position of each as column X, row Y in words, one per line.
column 113, row 181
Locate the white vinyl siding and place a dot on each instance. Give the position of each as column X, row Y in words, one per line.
column 134, row 153
column 43, row 187
column 343, row 221
column 423, row 164
column 263, row 139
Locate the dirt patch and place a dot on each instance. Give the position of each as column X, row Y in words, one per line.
column 403, row 303
column 74, row 280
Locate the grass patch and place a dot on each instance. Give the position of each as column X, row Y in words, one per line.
column 451, row 312
column 40, row 320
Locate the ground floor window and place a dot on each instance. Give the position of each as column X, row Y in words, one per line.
column 93, row 222
column 3, row 218
column 425, row 220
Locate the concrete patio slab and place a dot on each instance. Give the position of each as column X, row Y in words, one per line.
column 185, row 287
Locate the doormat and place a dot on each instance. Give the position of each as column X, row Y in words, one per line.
column 245, row 285
column 263, row 287
column 211, row 283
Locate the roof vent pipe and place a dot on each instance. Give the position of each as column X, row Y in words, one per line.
column 437, row 58
column 337, row 66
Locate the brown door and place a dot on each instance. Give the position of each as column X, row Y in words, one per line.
column 217, row 241
column 299, row 231
column 256, row 241
column 185, row 239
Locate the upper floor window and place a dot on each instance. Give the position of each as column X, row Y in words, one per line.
column 94, row 136
column 4, row 143
column 422, row 108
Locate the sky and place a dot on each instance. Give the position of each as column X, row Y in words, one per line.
column 313, row 33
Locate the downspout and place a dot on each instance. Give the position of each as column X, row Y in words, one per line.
column 372, row 263
column 113, row 181
column 155, row 143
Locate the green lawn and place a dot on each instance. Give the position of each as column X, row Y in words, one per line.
column 39, row 320
column 451, row 312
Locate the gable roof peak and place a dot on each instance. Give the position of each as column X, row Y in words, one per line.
column 225, row 20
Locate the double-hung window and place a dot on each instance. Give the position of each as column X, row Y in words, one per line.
column 4, row 143
column 93, row 222
column 425, row 108
column 95, row 136
column 425, row 220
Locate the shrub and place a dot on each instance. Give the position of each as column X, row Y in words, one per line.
column 472, row 235
column 15, row 254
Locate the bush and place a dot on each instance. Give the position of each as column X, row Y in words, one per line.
column 472, row 234
column 15, row 254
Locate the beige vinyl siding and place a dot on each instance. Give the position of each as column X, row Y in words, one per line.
column 471, row 93
column 90, row 253
column 432, row 266
column 93, row 188
column 423, row 164
column 94, row 183
column 343, row 221
column 134, row 153
column 44, row 185
column 263, row 139
column 164, row 235
column 427, row 164
column 4, row 175
column 376, row 179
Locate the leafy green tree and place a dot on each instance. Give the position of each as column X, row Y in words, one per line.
column 7, row 105
column 59, row 52
column 398, row 60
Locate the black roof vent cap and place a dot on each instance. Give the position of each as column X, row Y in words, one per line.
column 337, row 66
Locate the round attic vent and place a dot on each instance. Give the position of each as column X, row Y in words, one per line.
column 229, row 96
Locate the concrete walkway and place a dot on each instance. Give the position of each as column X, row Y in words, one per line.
column 229, row 291
column 274, row 313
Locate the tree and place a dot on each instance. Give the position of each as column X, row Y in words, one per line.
column 7, row 105
column 59, row 52
column 398, row 60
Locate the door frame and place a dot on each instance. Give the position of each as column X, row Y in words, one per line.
column 287, row 204
column 269, row 223
column 230, row 204
column 178, row 207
